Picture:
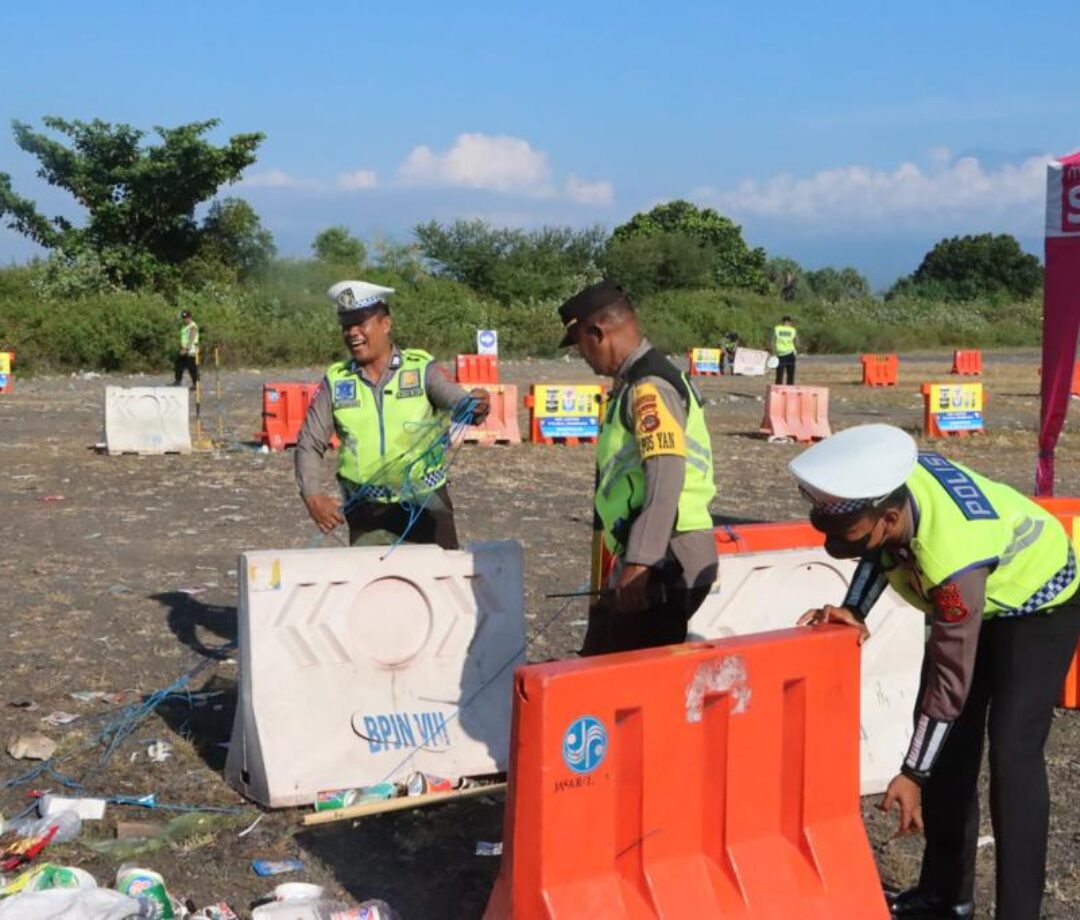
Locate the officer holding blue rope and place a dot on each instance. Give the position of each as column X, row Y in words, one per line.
column 391, row 409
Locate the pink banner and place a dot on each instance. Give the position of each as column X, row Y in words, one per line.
column 1061, row 309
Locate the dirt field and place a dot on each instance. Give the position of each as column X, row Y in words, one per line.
column 119, row 574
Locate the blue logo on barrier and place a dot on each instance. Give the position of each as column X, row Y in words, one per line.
column 584, row 744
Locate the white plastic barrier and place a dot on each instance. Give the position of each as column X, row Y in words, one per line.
column 358, row 666
column 147, row 420
column 765, row 591
column 749, row 362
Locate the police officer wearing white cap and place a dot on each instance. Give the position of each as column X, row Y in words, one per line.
column 379, row 402
column 997, row 576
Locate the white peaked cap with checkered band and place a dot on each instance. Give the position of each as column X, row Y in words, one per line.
column 349, row 296
column 855, row 468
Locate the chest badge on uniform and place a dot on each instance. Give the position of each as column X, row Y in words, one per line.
column 409, row 384
column 344, row 391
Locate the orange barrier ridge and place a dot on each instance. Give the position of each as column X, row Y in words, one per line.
column 501, row 425
column 477, row 369
column 880, row 370
column 7, row 371
column 796, row 413
column 1067, row 510
column 967, row 363
column 709, row 780
column 284, row 406
column 765, row 538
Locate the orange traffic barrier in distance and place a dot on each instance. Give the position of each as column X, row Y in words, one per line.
column 564, row 413
column 796, row 413
column 7, row 374
column 933, row 397
column 284, row 408
column 704, row 362
column 501, row 425
column 477, row 369
column 1067, row 510
column 880, row 370
column 967, row 363
column 1074, row 390
column 710, row 780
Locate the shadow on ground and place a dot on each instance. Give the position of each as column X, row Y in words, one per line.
column 421, row 862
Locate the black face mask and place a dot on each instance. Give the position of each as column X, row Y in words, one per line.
column 839, row 548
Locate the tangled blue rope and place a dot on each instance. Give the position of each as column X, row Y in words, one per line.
column 435, row 448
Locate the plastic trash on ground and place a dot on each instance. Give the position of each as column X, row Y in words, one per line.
column 70, row 904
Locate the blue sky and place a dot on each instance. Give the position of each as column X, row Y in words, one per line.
column 856, row 134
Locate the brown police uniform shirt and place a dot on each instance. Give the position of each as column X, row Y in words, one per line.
column 653, row 539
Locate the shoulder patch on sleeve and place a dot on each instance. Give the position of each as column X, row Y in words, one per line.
column 949, row 604
column 656, row 430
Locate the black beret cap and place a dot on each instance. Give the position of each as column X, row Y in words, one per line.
column 587, row 302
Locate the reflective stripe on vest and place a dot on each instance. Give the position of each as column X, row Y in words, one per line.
column 966, row 520
column 379, row 444
column 620, row 486
column 784, row 341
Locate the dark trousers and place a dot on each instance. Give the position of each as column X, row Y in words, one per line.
column 786, row 368
column 1019, row 668
column 187, row 363
column 380, row 524
column 663, row 623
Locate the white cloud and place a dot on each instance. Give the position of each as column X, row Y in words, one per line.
column 498, row 163
column 948, row 191
column 584, row 192
column 276, row 178
column 359, row 180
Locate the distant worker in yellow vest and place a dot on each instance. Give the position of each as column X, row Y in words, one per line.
column 654, row 479
column 785, row 347
column 386, row 405
column 996, row 575
column 187, row 359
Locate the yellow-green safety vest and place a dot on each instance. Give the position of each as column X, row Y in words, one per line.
column 964, row 521
column 189, row 338
column 620, row 481
column 381, row 445
column 783, row 341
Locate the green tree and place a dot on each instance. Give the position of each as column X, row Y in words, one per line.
column 234, row 237
column 659, row 262
column 786, row 278
column 834, row 286
column 972, row 267
column 734, row 263
column 140, row 199
column 337, row 246
column 511, row 264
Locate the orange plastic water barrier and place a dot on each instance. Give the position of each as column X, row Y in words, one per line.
column 704, row 362
column 1067, row 510
column 1074, row 390
column 796, row 413
column 575, row 409
column 711, row 780
column 284, row 408
column 880, row 370
column 931, row 426
column 501, row 425
column 477, row 369
column 7, row 373
column 765, row 538
column 967, row 362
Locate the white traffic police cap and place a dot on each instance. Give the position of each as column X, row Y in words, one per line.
column 855, row 468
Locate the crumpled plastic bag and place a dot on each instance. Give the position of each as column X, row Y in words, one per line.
column 70, row 904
